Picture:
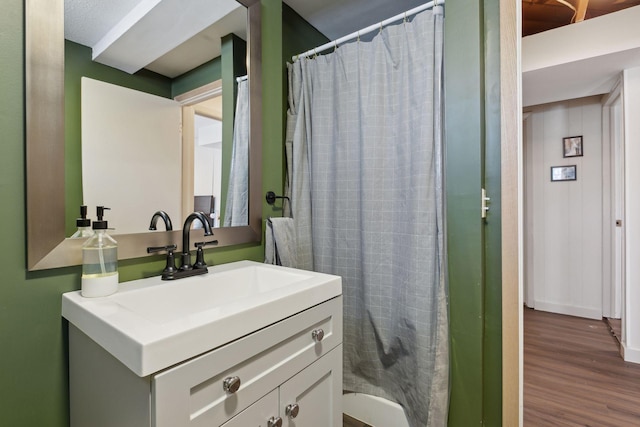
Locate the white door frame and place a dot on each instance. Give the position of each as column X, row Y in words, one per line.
column 613, row 226
column 527, row 217
column 189, row 102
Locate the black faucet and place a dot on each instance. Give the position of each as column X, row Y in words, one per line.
column 186, row 255
column 186, row 269
column 167, row 221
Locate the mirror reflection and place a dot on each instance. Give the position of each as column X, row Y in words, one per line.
column 182, row 153
column 236, row 212
column 207, row 159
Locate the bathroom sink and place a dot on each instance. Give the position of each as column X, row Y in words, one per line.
column 151, row 324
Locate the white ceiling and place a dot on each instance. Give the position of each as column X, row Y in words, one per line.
column 93, row 23
column 337, row 18
column 568, row 62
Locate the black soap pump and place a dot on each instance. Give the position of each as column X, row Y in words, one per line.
column 84, row 225
column 99, row 260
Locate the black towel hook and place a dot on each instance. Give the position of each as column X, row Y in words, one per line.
column 271, row 197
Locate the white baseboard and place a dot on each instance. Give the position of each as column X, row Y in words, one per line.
column 630, row 354
column 570, row 310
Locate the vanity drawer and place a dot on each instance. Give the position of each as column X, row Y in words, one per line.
column 192, row 394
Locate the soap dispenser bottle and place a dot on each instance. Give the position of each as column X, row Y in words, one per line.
column 84, row 225
column 99, row 261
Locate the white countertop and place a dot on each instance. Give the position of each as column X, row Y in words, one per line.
column 150, row 324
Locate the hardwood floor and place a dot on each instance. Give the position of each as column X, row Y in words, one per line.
column 352, row 422
column 574, row 375
column 615, row 325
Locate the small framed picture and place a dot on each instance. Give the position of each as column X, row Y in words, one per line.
column 563, row 173
column 572, row 146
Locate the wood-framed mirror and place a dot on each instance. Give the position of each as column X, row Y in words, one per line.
column 47, row 242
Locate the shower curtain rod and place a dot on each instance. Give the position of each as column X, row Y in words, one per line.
column 369, row 29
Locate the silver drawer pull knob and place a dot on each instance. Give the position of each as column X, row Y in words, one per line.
column 317, row 335
column 231, row 384
column 292, row 410
column 274, row 422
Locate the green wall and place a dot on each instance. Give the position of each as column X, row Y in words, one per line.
column 472, row 93
column 464, row 143
column 33, row 387
column 272, row 96
column 298, row 36
column 492, row 363
column 33, row 376
column 33, row 373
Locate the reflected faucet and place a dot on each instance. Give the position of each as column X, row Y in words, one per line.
column 186, row 255
column 167, row 221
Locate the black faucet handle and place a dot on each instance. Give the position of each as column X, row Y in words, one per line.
column 170, row 268
column 200, row 245
column 168, row 248
column 200, row 253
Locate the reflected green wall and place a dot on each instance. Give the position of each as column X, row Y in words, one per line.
column 78, row 64
column 33, row 372
column 206, row 73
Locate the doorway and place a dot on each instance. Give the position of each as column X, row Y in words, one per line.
column 607, row 218
column 566, row 255
column 202, row 151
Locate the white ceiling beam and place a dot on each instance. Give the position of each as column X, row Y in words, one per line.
column 579, row 60
column 155, row 27
column 615, row 32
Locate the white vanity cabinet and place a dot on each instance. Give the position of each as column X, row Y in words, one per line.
column 247, row 382
column 311, row 398
column 316, row 392
column 263, row 413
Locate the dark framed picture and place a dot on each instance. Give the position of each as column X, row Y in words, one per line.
column 572, row 146
column 564, row 173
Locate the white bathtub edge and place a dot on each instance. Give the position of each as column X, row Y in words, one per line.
column 373, row 410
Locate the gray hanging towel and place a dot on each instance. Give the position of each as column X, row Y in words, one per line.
column 280, row 242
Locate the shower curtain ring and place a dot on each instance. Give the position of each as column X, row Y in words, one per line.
column 435, row 2
column 358, row 39
column 335, row 45
column 380, row 28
